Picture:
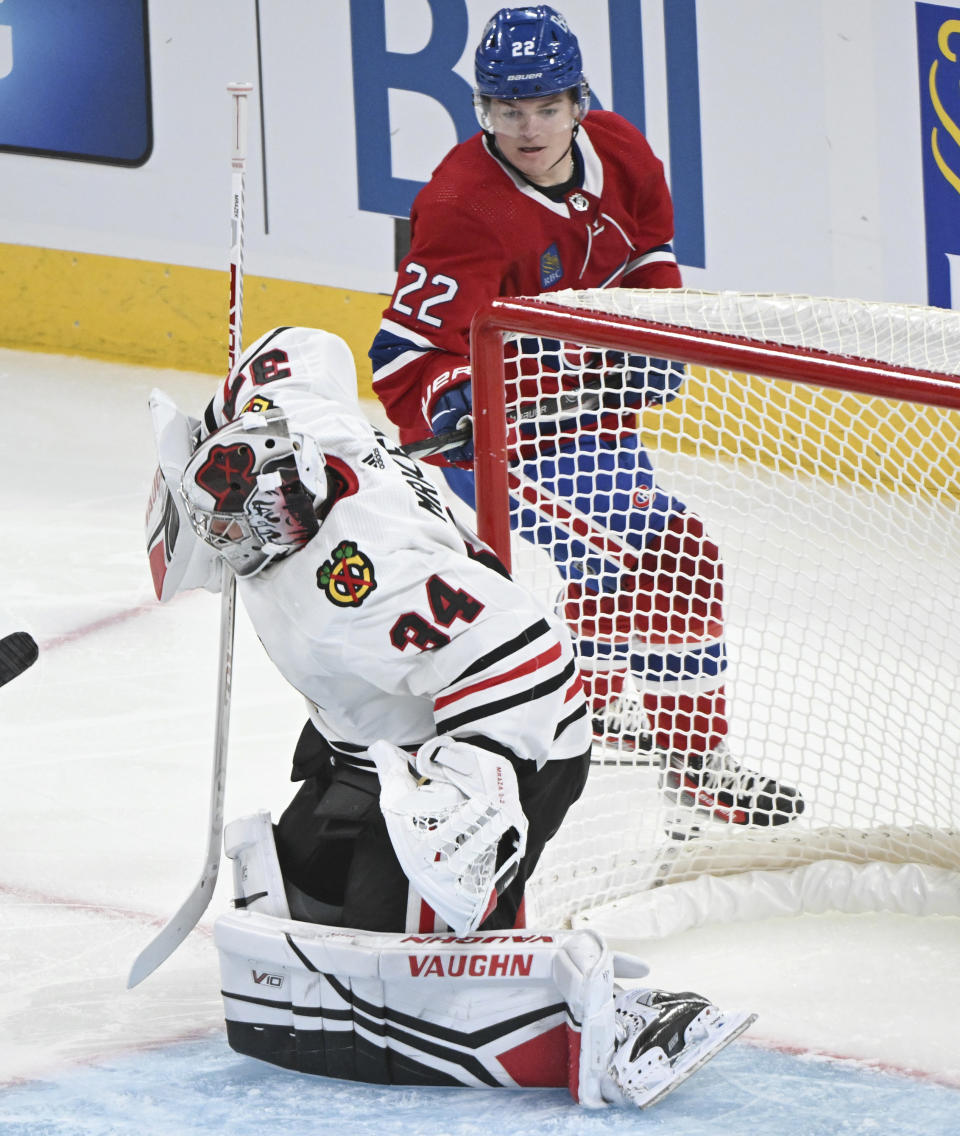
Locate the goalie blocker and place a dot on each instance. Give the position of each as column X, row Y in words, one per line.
column 503, row 1010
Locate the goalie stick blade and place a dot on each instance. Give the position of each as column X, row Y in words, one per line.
column 162, row 946
column 18, row 651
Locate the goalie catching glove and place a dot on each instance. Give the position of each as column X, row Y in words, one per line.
column 447, row 810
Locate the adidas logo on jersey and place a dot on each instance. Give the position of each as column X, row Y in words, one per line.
column 375, row 458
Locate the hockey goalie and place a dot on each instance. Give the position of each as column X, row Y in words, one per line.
column 378, row 932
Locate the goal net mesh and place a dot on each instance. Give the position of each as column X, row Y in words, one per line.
column 837, row 517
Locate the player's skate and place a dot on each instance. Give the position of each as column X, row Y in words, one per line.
column 662, row 1038
column 621, row 725
column 716, row 784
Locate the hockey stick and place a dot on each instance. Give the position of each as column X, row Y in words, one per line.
column 584, row 401
column 159, row 949
column 18, row 651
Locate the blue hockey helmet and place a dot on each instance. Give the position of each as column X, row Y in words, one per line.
column 527, row 53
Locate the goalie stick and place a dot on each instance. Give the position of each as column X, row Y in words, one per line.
column 159, row 949
column 18, row 651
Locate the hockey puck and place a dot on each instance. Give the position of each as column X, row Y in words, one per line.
column 18, row 651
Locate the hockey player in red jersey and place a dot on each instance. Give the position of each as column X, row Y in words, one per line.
column 549, row 196
column 373, row 936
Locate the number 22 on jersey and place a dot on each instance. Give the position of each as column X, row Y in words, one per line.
column 423, row 314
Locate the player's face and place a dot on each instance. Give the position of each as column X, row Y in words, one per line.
column 535, row 135
column 226, row 529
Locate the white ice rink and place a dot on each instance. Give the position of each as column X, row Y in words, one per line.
column 105, row 755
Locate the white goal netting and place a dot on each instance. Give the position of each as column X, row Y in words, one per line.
column 837, row 517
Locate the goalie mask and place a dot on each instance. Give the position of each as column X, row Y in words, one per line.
column 252, row 490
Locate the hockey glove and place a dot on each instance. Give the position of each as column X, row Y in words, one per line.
column 446, row 818
column 448, row 407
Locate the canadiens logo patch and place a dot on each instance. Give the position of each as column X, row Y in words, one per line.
column 257, row 404
column 579, row 202
column 550, row 267
column 643, row 497
column 347, row 578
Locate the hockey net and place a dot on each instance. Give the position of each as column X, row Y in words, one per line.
column 819, row 441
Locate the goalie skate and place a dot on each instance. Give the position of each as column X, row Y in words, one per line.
column 717, row 785
column 662, row 1039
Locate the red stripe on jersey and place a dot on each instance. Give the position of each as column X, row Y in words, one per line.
column 548, row 656
column 574, row 688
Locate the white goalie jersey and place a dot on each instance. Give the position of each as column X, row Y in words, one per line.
column 392, row 621
column 422, row 662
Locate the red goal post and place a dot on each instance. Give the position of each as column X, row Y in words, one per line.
column 820, row 439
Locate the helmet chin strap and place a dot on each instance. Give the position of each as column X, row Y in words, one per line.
column 568, row 153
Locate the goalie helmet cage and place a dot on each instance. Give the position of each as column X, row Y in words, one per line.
column 819, row 442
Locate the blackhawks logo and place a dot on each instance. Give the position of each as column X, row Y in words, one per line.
column 347, row 577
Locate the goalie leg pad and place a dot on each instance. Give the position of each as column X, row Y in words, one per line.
column 499, row 1011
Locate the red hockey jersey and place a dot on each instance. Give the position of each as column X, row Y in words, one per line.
column 479, row 230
